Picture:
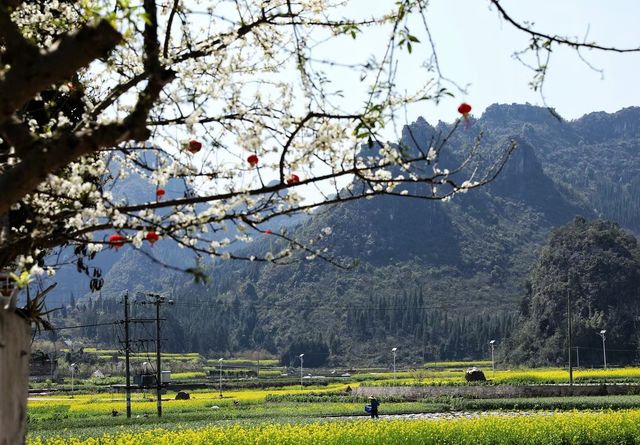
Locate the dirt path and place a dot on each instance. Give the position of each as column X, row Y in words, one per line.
column 448, row 415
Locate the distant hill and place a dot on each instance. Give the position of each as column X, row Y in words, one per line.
column 596, row 266
column 125, row 268
column 129, row 268
column 438, row 280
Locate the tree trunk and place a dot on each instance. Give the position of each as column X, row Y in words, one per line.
column 15, row 352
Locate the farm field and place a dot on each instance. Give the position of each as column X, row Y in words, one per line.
column 556, row 428
column 328, row 414
column 548, row 428
column 449, row 376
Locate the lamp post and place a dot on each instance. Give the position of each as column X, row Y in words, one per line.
column 220, row 362
column 394, row 350
column 301, row 366
column 73, row 369
column 145, row 371
column 493, row 361
column 604, row 349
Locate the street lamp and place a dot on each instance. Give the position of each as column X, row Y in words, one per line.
column 493, row 362
column 301, row 366
column 220, row 361
column 73, row 369
column 143, row 379
column 604, row 350
column 394, row 350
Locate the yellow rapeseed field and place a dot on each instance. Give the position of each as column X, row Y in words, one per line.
column 515, row 376
column 96, row 404
column 575, row 428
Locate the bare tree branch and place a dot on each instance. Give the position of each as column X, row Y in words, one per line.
column 557, row 38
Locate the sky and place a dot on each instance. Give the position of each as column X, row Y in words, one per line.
column 475, row 48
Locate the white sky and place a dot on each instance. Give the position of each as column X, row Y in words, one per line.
column 475, row 48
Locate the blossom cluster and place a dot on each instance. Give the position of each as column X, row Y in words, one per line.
column 250, row 124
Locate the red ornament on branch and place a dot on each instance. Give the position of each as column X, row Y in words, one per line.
column 193, row 146
column 252, row 160
column 152, row 237
column 268, row 232
column 159, row 193
column 293, row 179
column 464, row 109
column 116, row 241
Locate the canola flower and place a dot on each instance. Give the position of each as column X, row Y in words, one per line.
column 188, row 375
column 507, row 377
column 575, row 428
column 92, row 404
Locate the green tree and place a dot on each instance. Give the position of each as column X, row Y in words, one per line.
column 597, row 265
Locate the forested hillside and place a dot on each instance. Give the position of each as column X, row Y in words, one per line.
column 593, row 268
column 438, row 280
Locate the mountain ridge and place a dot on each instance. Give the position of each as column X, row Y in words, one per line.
column 427, row 270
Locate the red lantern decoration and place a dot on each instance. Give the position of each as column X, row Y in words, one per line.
column 252, row 160
column 193, row 146
column 159, row 193
column 152, row 237
column 464, row 109
column 293, row 179
column 116, row 241
column 268, row 232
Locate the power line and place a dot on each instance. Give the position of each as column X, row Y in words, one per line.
column 212, row 304
column 111, row 323
column 157, row 300
column 127, row 350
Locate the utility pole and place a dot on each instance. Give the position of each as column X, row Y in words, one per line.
column 577, row 356
column 158, row 365
column 127, row 349
column 569, row 333
column 157, row 300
